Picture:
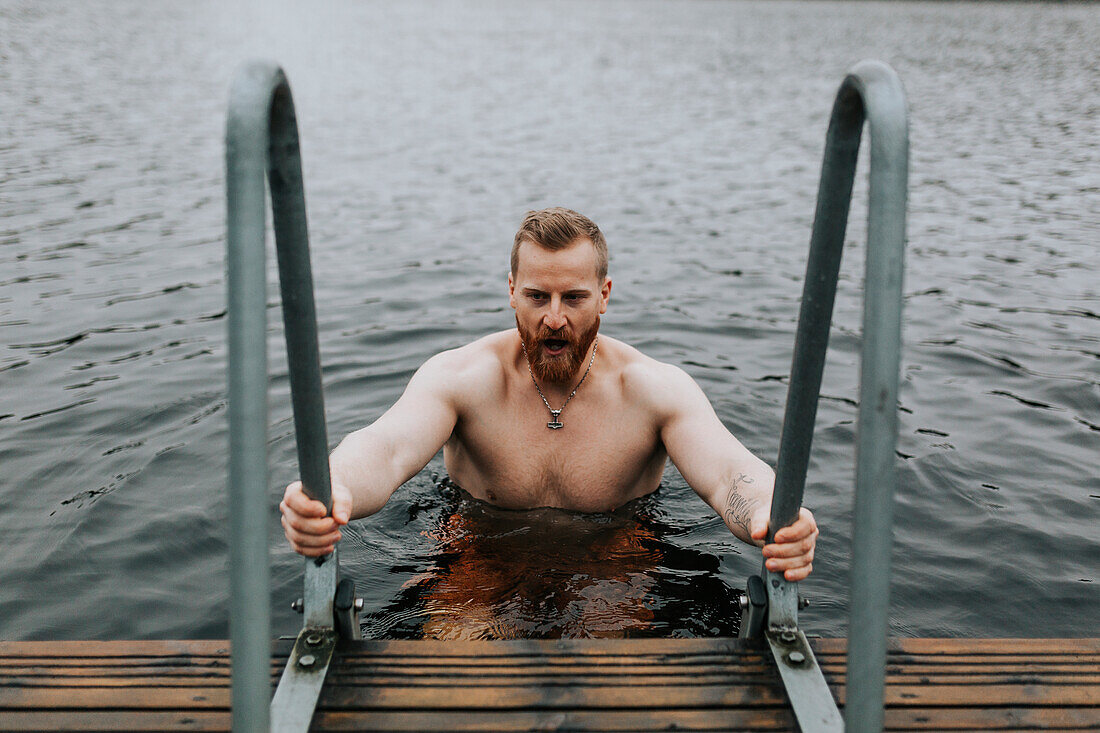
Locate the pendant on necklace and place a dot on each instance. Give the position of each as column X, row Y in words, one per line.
column 555, row 424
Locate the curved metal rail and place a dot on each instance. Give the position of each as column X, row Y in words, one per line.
column 873, row 93
column 262, row 139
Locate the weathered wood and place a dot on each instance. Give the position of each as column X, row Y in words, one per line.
column 115, row 720
column 928, row 647
column 614, row 685
column 138, row 697
column 67, row 649
column 510, row 697
column 763, row 719
column 993, row 718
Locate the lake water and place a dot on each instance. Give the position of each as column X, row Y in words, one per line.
column 692, row 132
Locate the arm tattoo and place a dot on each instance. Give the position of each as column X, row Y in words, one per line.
column 739, row 509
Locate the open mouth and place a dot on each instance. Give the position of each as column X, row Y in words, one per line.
column 555, row 346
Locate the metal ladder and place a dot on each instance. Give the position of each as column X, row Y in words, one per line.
column 262, row 140
column 873, row 93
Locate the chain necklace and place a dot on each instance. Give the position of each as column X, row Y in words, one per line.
column 555, row 423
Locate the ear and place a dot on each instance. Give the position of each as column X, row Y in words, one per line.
column 511, row 291
column 605, row 294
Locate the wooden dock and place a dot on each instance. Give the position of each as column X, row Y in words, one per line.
column 606, row 685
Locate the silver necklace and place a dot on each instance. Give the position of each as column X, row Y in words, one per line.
column 555, row 423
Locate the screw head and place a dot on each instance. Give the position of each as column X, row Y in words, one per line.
column 787, row 637
column 796, row 657
column 307, row 660
column 314, row 639
column 358, row 604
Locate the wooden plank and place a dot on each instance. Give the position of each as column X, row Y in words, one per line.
column 159, row 648
column 762, row 719
column 443, row 680
column 587, row 681
column 511, row 697
column 114, row 669
column 694, row 684
column 542, row 662
column 68, row 683
column 116, row 661
column 978, row 659
column 927, row 646
column 921, row 670
column 101, row 722
column 993, row 718
column 356, row 670
column 560, row 661
column 836, row 671
column 115, row 698
column 118, row 670
column 900, row 682
column 983, row 695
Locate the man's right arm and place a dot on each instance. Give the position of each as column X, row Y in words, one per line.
column 369, row 464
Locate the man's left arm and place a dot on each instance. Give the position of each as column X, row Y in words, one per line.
column 736, row 484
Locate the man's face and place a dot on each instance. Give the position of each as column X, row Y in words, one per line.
column 558, row 299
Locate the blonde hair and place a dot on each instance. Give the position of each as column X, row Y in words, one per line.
column 557, row 228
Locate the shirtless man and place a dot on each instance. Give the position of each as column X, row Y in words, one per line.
column 552, row 415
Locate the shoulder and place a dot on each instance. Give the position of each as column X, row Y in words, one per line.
column 660, row 387
column 477, row 365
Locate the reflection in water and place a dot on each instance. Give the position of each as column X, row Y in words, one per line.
column 547, row 573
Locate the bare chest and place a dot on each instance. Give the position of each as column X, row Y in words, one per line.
column 604, row 454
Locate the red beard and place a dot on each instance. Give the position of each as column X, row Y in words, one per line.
column 561, row 367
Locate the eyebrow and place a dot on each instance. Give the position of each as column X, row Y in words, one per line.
column 573, row 291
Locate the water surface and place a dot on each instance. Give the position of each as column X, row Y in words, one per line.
column 691, row 132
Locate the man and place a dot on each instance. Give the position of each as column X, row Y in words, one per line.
column 552, row 415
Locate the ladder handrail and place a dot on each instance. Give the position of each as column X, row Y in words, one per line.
column 262, row 138
column 873, row 93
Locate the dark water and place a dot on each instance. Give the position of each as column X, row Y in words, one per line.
column 692, row 132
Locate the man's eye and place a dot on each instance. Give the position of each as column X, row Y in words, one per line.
column 537, row 296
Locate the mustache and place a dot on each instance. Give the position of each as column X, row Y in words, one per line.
column 561, row 334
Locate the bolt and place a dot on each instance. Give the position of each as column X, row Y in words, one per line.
column 314, row 639
column 796, row 657
column 298, row 605
column 803, row 602
column 787, row 637
column 358, row 604
column 307, row 660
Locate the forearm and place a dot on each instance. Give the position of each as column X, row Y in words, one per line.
column 746, row 491
column 364, row 464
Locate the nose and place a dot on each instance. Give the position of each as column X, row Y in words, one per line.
column 554, row 319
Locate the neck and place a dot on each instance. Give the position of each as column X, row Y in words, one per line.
column 555, row 389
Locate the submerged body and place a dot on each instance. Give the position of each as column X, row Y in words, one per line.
column 524, row 423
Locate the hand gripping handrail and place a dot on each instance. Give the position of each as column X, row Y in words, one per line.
column 873, row 93
column 262, row 138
